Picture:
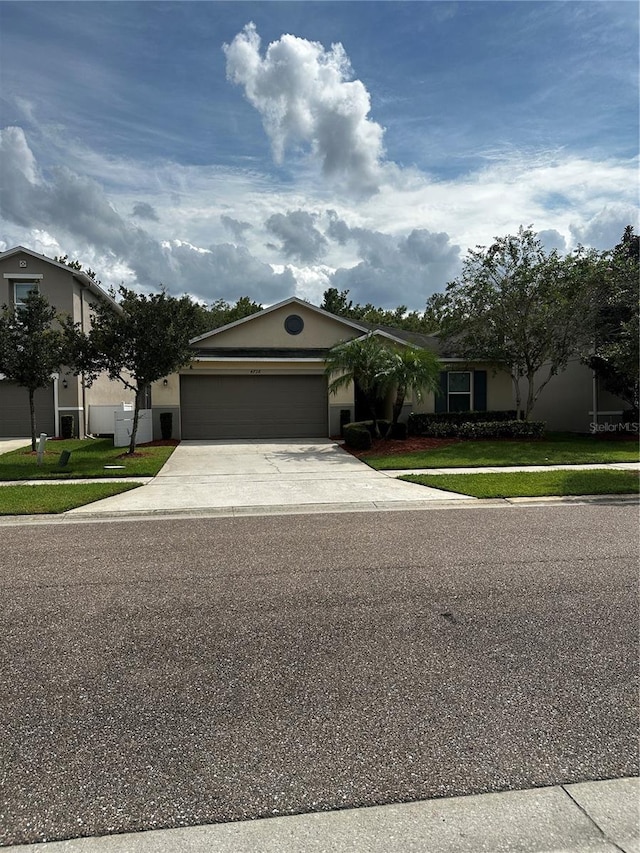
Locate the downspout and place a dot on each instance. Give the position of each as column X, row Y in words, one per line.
column 85, row 408
column 56, row 405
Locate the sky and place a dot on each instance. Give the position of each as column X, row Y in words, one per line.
column 269, row 149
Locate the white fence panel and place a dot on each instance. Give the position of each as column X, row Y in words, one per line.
column 124, row 426
column 101, row 418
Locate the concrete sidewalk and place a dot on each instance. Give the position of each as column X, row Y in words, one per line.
column 506, row 469
column 588, row 817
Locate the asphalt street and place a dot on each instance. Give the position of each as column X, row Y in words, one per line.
column 170, row 673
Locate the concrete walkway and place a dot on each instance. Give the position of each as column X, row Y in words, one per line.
column 505, row 469
column 588, row 817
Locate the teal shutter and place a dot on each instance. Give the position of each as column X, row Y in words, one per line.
column 480, row 390
column 441, row 398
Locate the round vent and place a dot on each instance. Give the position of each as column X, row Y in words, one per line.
column 294, row 324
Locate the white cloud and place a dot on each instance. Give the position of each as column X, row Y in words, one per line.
column 395, row 247
column 304, row 95
column 605, row 229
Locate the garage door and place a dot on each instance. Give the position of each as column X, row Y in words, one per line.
column 14, row 411
column 253, row 406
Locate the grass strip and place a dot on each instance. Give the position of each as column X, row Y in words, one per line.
column 55, row 498
column 88, row 459
column 523, row 484
column 554, row 450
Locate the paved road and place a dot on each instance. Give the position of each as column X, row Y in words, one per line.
column 167, row 673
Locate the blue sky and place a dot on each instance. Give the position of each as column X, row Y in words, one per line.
column 270, row 149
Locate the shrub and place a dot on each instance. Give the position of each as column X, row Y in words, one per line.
column 66, row 426
column 501, row 429
column 498, row 428
column 166, row 425
column 421, row 421
column 399, row 431
column 357, row 436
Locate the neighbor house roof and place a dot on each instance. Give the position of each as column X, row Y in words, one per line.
column 79, row 275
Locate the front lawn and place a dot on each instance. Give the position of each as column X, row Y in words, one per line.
column 88, row 459
column 554, row 449
column 514, row 484
column 56, row 498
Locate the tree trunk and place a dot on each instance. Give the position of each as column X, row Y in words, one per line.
column 371, row 402
column 518, row 396
column 531, row 396
column 32, row 413
column 136, row 412
column 396, row 410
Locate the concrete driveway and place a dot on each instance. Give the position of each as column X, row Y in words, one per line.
column 275, row 476
column 9, row 444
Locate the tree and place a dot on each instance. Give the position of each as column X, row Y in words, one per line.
column 221, row 312
column 378, row 367
column 337, row 302
column 410, row 369
column 144, row 341
column 31, row 349
column 614, row 354
column 363, row 361
column 515, row 305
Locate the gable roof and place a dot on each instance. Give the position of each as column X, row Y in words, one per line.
column 356, row 325
column 79, row 275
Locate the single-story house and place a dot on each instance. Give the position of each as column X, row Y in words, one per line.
column 71, row 292
column 264, row 377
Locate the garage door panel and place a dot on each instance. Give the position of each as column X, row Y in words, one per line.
column 253, row 406
column 15, row 419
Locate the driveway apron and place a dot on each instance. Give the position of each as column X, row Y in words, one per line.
column 287, row 475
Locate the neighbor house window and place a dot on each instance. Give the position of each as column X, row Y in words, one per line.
column 21, row 289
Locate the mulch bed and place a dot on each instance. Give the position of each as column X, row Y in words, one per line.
column 392, row 447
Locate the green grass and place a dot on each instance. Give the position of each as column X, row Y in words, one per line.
column 55, row 498
column 88, row 458
column 514, row 484
column 556, row 449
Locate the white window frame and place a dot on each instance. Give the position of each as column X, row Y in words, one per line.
column 17, row 278
column 32, row 284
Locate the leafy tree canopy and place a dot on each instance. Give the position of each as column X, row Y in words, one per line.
column 145, row 341
column 32, row 348
column 337, row 302
column 514, row 304
column 614, row 351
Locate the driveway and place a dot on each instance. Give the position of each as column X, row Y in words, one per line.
column 279, row 475
column 9, row 444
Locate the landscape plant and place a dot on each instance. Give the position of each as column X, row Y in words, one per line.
column 32, row 348
column 516, row 305
column 147, row 339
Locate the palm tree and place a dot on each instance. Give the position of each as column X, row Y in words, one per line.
column 365, row 361
column 409, row 369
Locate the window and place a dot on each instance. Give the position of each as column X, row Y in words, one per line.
column 462, row 391
column 459, row 391
column 21, row 290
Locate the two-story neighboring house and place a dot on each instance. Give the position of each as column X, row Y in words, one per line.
column 70, row 292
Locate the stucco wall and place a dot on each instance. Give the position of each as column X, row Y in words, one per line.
column 566, row 403
column 499, row 389
column 268, row 331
